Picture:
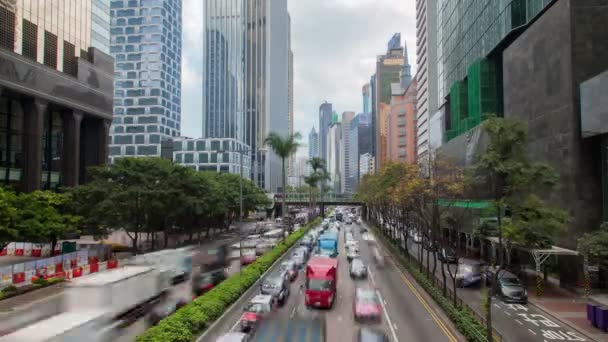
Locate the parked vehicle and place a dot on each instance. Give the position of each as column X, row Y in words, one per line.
column 469, row 272
column 366, row 305
column 358, row 270
column 328, row 244
column 277, row 287
column 321, row 282
column 258, row 309
column 366, row 334
column 509, row 288
column 447, row 255
column 352, row 244
column 359, row 220
column 289, row 266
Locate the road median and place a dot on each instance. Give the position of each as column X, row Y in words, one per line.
column 196, row 317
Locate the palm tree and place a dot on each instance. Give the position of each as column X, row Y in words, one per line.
column 319, row 174
column 284, row 147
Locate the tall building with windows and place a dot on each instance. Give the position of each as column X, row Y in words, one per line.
column 529, row 60
column 367, row 100
column 334, row 162
column 146, row 43
column 242, row 98
column 313, row 143
column 388, row 68
column 100, row 25
column 292, row 158
column 56, row 94
column 325, row 118
column 345, row 153
column 426, row 76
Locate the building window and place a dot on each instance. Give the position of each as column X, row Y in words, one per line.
column 50, row 50
column 52, row 148
column 7, row 29
column 203, row 158
column 69, row 58
column 11, row 140
column 30, row 40
column 188, row 158
column 200, row 145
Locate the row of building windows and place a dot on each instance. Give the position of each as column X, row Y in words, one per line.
column 150, row 150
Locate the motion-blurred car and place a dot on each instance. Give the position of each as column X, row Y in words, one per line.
column 351, row 254
column 290, row 267
column 277, row 287
column 366, row 334
column 304, row 250
column 352, row 244
column 509, row 288
column 358, row 270
column 258, row 309
column 469, row 272
column 202, row 283
column 447, row 255
column 248, row 256
column 233, row 337
column 366, row 305
column 298, row 258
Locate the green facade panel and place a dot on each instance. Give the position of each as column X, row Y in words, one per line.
column 484, row 90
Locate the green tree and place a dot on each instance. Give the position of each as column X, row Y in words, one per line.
column 42, row 217
column 8, row 216
column 595, row 246
column 283, row 147
column 508, row 177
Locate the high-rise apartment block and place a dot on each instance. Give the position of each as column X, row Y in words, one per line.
column 146, row 42
column 313, row 143
column 346, row 182
column 56, row 96
column 367, row 99
column 242, row 98
column 334, row 158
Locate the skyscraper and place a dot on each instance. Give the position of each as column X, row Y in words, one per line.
column 334, row 162
column 313, row 143
column 426, row 77
column 345, row 153
column 242, row 99
column 100, row 25
column 56, row 98
column 146, row 42
column 292, row 158
column 388, row 68
column 367, row 100
column 325, row 119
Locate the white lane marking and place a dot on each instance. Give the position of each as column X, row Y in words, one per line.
column 507, row 313
column 520, row 323
column 388, row 319
column 496, row 305
column 371, row 276
column 235, row 325
column 293, row 312
column 531, row 331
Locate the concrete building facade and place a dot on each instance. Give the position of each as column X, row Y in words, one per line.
column 366, row 164
column 56, row 93
column 402, row 126
column 325, row 119
column 345, row 153
column 212, row 154
column 334, row 162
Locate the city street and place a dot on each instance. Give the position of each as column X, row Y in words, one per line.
column 409, row 315
column 20, row 311
column 515, row 322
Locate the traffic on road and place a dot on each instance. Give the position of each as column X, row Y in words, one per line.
column 336, row 285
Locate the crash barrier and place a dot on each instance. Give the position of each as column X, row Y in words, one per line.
column 69, row 265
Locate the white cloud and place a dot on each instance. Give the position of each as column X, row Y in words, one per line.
column 192, row 12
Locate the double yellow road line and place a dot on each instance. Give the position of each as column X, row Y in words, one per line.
column 425, row 304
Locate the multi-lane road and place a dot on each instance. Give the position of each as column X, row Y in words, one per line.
column 408, row 312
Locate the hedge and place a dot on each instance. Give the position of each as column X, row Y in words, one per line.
column 465, row 322
column 194, row 318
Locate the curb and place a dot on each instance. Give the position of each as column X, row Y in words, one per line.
column 568, row 324
column 239, row 302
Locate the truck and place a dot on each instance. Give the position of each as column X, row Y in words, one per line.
column 210, row 270
column 321, row 282
column 327, row 244
column 99, row 306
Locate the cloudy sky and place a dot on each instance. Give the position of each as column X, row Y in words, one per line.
column 335, row 44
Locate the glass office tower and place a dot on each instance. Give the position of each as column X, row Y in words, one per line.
column 146, row 42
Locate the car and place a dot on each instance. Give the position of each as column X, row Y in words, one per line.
column 248, row 256
column 348, row 221
column 366, row 334
column 202, row 283
column 298, row 259
column 304, row 250
column 417, row 238
column 358, row 270
column 352, row 244
column 351, row 254
column 367, row 306
column 277, row 287
column 447, row 255
column 259, row 308
column 290, row 268
column 233, row 337
column 509, row 288
column 362, row 229
column 469, row 272
column 359, row 220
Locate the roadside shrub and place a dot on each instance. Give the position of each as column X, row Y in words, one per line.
column 40, row 282
column 192, row 319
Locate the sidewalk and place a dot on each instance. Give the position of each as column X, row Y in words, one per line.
column 568, row 308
